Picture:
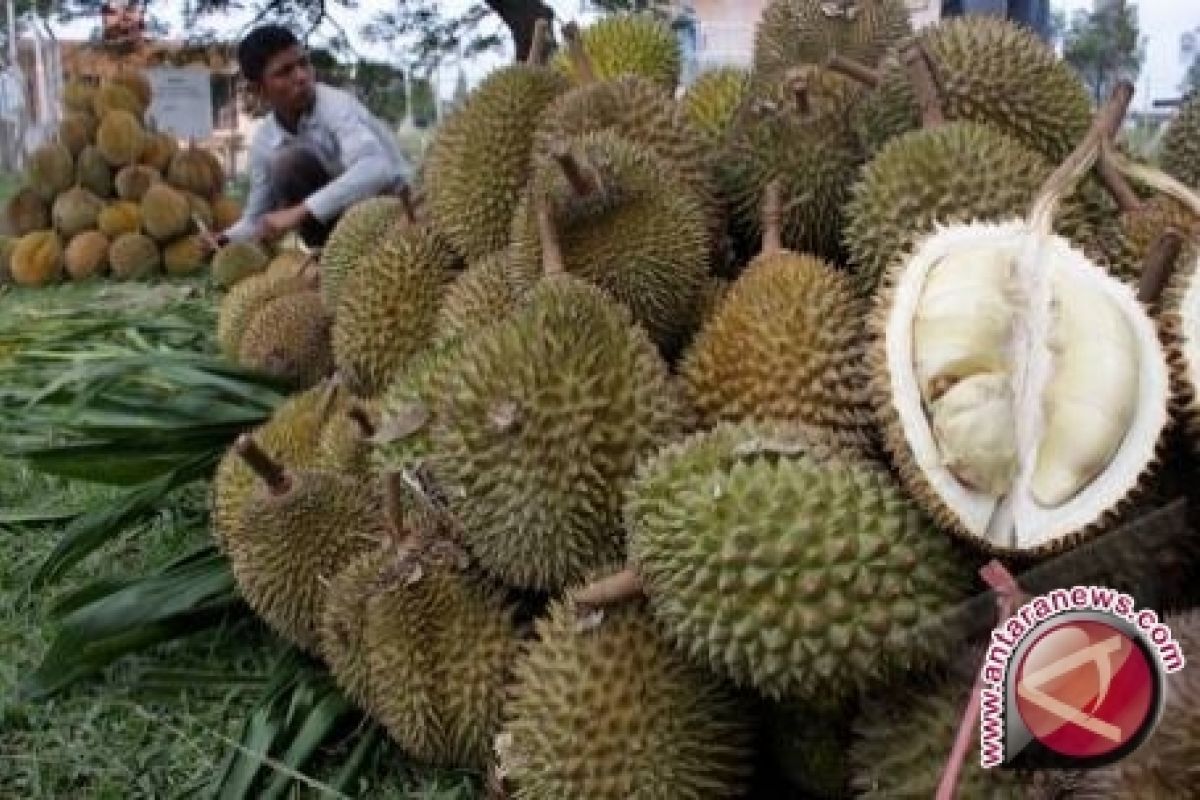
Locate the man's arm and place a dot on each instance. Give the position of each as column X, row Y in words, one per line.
column 258, row 202
column 368, row 169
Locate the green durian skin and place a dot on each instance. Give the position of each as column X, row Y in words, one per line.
column 789, row 567
column 357, row 232
column 486, row 293
column 627, row 44
column 1180, row 154
column 711, row 102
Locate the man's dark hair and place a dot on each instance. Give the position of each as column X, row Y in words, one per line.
column 260, row 46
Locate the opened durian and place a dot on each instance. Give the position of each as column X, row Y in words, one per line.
column 1022, row 391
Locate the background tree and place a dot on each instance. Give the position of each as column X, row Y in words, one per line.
column 1191, row 81
column 1105, row 45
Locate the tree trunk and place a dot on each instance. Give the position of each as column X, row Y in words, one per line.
column 521, row 16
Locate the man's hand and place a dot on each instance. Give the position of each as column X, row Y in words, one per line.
column 281, row 222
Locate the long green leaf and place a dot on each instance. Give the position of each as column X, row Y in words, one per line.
column 320, row 722
column 353, row 765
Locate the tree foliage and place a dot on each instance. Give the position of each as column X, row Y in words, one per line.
column 1105, row 45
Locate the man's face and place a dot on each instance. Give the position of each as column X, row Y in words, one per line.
column 288, row 81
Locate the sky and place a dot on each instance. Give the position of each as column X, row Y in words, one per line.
column 1162, row 23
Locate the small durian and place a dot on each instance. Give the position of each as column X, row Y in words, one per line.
column 134, row 256
column 112, row 97
column 25, row 212
column 134, row 181
column 121, row 138
column 93, row 173
column 236, row 261
column 86, row 255
column 227, row 211
column 289, row 337
column 120, row 217
column 243, row 301
column 76, row 131
column 191, row 170
column 166, row 213
column 79, row 97
column 75, row 211
column 184, row 256
column 37, row 259
column 159, row 151
column 50, row 170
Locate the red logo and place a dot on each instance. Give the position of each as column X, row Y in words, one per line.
column 1085, row 689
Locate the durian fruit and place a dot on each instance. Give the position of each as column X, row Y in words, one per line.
column 237, row 261
column 120, row 217
column 291, row 436
column 903, row 736
column 358, row 231
column 786, row 344
column 793, row 33
column 478, row 163
column 1164, row 766
column 1021, row 391
column 243, row 301
column 25, row 212
column 606, row 709
column 343, row 618
column 134, row 181
column 348, row 438
column 86, row 255
column 159, row 151
column 297, row 530
column 134, row 256
column 438, row 642
column 121, row 138
column 625, row 221
column 76, row 131
column 184, row 256
column 536, row 428
column 50, row 170
column 136, row 82
column 1180, row 153
column 79, row 96
column 387, row 307
column 93, row 173
column 289, row 337
column 37, row 259
column 487, row 292
column 710, row 104
column 627, row 44
column 191, row 170
column 112, row 97
column 75, row 211
column 795, row 130
column 166, row 213
column 227, row 211
column 788, row 566
column 985, row 70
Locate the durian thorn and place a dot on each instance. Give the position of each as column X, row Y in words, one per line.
column 366, row 428
column 583, row 185
column 579, row 56
column 1160, row 262
column 552, row 255
column 1110, row 175
column 537, row 47
column 271, row 472
column 772, row 216
column 616, row 588
column 1081, row 159
column 1158, row 180
column 854, row 70
column 1008, row 598
column 919, row 67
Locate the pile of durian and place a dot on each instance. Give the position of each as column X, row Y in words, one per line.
column 109, row 197
column 653, row 449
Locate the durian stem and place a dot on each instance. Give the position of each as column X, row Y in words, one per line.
column 366, row 429
column 406, row 200
column 329, row 397
column 266, row 468
column 797, row 80
column 1081, row 159
column 616, row 588
column 772, row 216
column 537, row 48
column 919, row 66
column 579, row 57
column 1156, row 179
column 552, row 255
column 583, row 186
column 1124, row 195
column 1159, row 263
column 393, row 511
column 854, row 70
column 1008, row 598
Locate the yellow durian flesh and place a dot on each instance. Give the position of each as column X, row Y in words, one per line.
column 1031, row 391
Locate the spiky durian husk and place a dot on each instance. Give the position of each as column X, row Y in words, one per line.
column 793, row 33
column 642, row 236
column 1181, row 144
column 627, row 44
column 387, row 308
column 478, row 163
column 904, row 735
column 439, row 643
column 344, row 445
column 1181, row 343
column 712, row 101
column 959, row 172
column 487, row 292
column 289, row 337
column 790, row 567
column 787, row 345
column 809, row 743
column 244, row 300
column 811, row 150
column 342, row 630
column 641, row 111
column 1164, row 767
column 607, row 710
column 990, row 71
column 537, row 427
column 290, row 436
column 357, row 232
column 287, row 547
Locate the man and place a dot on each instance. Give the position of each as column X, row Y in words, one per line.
column 318, row 151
